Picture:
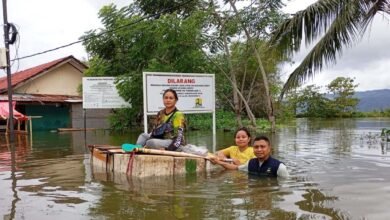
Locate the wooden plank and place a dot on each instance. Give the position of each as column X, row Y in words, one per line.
column 147, row 166
column 76, row 129
column 144, row 165
column 99, row 155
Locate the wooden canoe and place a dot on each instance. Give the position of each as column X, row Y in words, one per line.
column 145, row 162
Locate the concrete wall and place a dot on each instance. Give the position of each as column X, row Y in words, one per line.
column 96, row 118
column 63, row 80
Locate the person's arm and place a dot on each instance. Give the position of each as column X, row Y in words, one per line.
column 177, row 141
column 282, row 171
column 178, row 123
column 224, row 153
column 236, row 161
column 221, row 155
column 226, row 165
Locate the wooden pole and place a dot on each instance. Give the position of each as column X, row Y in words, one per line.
column 8, row 68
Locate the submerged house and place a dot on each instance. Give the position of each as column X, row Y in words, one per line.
column 52, row 92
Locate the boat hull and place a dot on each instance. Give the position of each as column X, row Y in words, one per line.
column 145, row 165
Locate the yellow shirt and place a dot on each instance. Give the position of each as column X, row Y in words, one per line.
column 234, row 152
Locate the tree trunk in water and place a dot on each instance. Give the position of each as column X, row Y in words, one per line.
column 236, row 103
column 237, row 95
column 270, row 111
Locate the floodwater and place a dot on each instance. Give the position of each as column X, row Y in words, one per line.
column 339, row 170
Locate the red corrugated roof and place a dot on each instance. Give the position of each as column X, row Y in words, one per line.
column 24, row 75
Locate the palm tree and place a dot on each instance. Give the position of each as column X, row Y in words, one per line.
column 339, row 23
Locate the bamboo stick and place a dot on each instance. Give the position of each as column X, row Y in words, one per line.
column 117, row 149
column 103, row 146
column 164, row 152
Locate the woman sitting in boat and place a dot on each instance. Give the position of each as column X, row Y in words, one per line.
column 168, row 128
column 241, row 152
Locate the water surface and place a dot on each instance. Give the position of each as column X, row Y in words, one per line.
column 339, row 170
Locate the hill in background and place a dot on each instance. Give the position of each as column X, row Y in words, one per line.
column 373, row 100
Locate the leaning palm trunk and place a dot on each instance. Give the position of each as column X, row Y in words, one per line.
column 270, row 111
column 338, row 23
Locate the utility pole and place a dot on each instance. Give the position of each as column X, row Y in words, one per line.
column 8, row 69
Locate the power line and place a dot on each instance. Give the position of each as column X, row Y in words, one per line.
column 85, row 39
column 156, row 15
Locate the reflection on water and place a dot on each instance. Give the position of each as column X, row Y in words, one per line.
column 339, row 170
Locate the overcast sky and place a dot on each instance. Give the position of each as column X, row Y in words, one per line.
column 46, row 24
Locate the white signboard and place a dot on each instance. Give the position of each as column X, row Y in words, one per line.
column 101, row 93
column 195, row 91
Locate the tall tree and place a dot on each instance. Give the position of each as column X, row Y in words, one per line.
column 229, row 26
column 269, row 101
column 187, row 36
column 338, row 23
column 310, row 102
column 129, row 44
column 343, row 89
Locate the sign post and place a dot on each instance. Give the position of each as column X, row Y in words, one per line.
column 196, row 94
column 101, row 93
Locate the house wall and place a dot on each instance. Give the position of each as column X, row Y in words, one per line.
column 63, row 80
column 95, row 118
column 52, row 116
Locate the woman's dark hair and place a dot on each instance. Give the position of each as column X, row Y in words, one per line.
column 263, row 138
column 243, row 129
column 173, row 91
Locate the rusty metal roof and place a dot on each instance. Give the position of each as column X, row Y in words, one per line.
column 43, row 98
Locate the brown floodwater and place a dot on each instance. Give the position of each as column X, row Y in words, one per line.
column 339, row 170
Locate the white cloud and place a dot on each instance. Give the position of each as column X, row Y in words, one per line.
column 46, row 24
column 293, row 6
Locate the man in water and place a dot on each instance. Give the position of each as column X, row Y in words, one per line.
column 262, row 165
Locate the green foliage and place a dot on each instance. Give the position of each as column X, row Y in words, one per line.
column 165, row 44
column 184, row 37
column 120, row 121
column 310, row 102
column 343, row 88
column 183, row 7
column 248, row 76
column 80, row 89
column 375, row 113
column 225, row 121
column 286, row 110
column 263, row 124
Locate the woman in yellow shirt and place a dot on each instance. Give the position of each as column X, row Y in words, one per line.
column 241, row 152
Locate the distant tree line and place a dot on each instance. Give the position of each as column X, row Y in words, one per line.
column 309, row 101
